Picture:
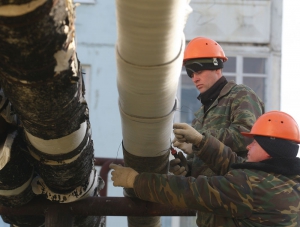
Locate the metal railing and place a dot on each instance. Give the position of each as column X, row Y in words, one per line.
column 62, row 214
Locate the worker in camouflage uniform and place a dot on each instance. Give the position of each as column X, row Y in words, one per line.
column 227, row 109
column 262, row 191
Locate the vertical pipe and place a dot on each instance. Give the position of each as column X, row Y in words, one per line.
column 149, row 54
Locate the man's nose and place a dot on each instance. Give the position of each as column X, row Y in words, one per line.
column 195, row 76
column 249, row 146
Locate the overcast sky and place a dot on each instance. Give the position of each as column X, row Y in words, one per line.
column 290, row 75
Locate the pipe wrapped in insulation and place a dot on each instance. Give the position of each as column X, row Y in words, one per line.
column 149, row 54
column 41, row 76
column 16, row 174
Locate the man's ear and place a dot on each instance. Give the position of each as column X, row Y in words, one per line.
column 219, row 72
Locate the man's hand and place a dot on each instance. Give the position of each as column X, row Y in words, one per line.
column 187, row 148
column 123, row 176
column 175, row 168
column 186, row 133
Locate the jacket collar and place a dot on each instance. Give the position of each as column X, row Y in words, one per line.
column 284, row 166
column 226, row 89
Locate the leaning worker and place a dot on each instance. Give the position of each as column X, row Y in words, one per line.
column 263, row 190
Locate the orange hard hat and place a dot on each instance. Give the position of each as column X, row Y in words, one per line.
column 275, row 124
column 202, row 47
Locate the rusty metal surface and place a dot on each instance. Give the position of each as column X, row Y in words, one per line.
column 98, row 206
column 53, row 218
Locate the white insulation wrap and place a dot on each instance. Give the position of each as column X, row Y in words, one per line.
column 149, row 58
column 148, row 91
column 150, row 32
column 146, row 137
column 5, row 149
column 20, row 9
column 61, row 145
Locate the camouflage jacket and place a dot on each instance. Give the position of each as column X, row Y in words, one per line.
column 243, row 194
column 235, row 110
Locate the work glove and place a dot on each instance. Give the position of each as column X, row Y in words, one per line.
column 122, row 176
column 175, row 167
column 186, row 133
column 187, row 148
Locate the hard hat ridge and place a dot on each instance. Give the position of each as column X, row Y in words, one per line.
column 275, row 124
column 202, row 47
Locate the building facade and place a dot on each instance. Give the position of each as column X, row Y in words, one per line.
column 250, row 34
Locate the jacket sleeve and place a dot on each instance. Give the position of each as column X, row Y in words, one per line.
column 246, row 107
column 228, row 196
column 216, row 155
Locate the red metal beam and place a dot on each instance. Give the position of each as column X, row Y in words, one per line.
column 104, row 163
column 98, row 206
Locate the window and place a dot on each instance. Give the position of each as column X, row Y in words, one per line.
column 251, row 71
column 188, row 98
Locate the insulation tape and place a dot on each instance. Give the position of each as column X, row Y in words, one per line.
column 60, row 162
column 6, row 149
column 59, row 146
column 39, row 187
column 18, row 190
column 141, row 137
column 8, row 114
column 20, row 9
column 149, row 34
column 6, row 109
column 158, row 164
column 63, row 57
column 148, row 90
column 3, row 99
